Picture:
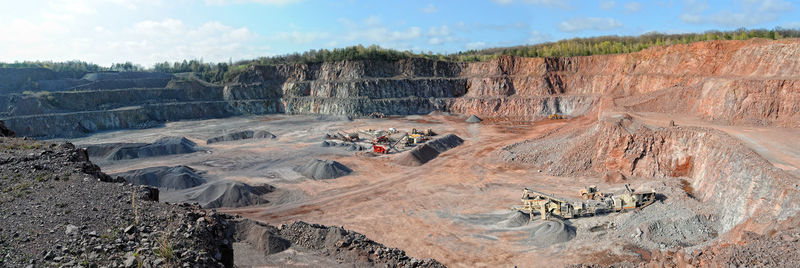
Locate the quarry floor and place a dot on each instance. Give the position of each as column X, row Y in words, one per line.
column 455, row 208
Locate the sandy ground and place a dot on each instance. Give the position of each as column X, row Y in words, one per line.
column 455, row 208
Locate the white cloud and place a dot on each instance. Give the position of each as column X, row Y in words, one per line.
column 145, row 42
column 590, row 23
column 539, row 37
column 429, row 9
column 443, row 30
column 633, row 7
column 475, row 45
column 752, row 13
column 792, row 25
column 606, row 5
column 301, row 38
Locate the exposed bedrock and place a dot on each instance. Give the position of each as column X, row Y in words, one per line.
column 730, row 82
column 737, row 181
column 78, row 124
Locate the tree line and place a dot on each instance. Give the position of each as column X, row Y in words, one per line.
column 224, row 71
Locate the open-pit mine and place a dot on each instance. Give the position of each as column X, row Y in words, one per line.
column 429, row 157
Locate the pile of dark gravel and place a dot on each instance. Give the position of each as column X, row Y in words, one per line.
column 242, row 135
column 323, row 169
column 161, row 147
column 163, row 177
column 4, row 131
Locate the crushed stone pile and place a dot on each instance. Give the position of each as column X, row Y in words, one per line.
column 474, row 119
column 548, row 233
column 446, row 142
column 219, row 194
column 161, row 147
column 5, row 132
column 164, row 177
column 421, row 154
column 346, row 247
column 323, row 169
column 517, row 219
column 242, row 135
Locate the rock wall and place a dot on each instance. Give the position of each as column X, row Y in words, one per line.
column 732, row 82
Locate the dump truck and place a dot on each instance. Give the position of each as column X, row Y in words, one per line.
column 548, row 205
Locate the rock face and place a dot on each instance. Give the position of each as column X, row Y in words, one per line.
column 241, row 135
column 735, row 82
column 178, row 177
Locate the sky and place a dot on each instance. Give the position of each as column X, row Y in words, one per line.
column 150, row 31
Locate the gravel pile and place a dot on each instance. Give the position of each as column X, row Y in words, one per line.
column 163, row 177
column 421, row 154
column 161, row 147
column 474, row 119
column 221, row 194
column 323, row 169
column 548, row 233
column 5, row 132
column 242, row 135
column 58, row 209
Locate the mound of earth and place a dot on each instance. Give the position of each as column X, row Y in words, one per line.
column 58, row 211
column 517, row 219
column 161, row 147
column 5, row 132
column 221, row 194
column 242, row 135
column 177, row 177
column 549, row 233
column 428, row 151
column 474, row 119
column 320, row 245
column 323, row 169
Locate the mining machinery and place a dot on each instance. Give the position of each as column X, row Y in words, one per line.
column 548, row 205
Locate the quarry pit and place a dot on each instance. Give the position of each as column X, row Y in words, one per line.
column 712, row 134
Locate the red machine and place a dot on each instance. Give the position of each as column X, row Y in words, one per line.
column 379, row 149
